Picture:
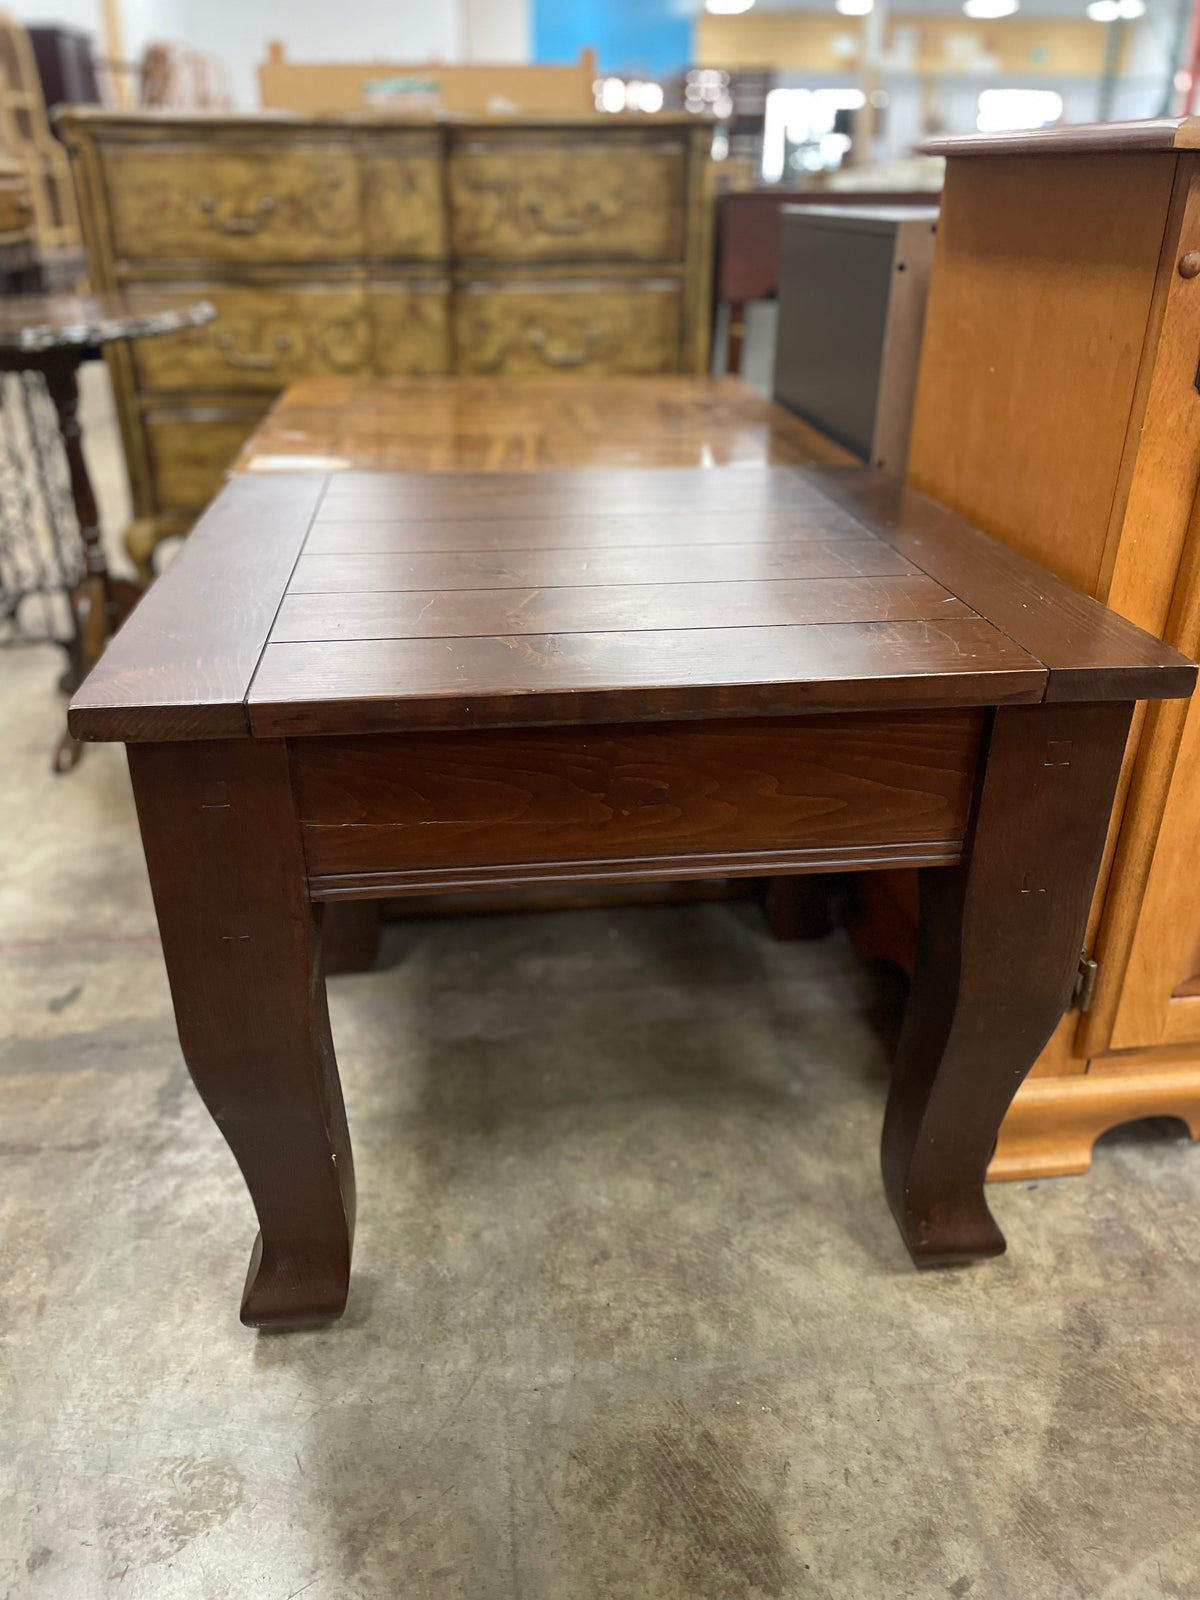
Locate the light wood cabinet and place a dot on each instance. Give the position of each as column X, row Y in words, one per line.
column 351, row 247
column 1058, row 407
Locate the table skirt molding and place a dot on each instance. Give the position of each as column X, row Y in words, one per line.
column 763, row 864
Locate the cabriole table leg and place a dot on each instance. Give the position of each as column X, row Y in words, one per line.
column 998, row 951
column 243, row 953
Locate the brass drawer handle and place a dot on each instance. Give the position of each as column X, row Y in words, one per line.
column 238, row 224
column 251, row 363
column 538, row 339
column 536, row 207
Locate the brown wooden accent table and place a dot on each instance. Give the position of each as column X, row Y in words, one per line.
column 521, row 425
column 366, row 685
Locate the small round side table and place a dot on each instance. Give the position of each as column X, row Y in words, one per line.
column 54, row 335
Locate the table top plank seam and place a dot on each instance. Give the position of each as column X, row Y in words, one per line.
column 316, row 618
column 323, row 489
column 404, row 684
column 437, row 571
column 1089, row 652
column 181, row 665
column 797, row 536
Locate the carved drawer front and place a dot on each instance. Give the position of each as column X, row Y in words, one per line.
column 570, row 326
column 262, row 338
column 403, row 202
column 191, row 451
column 516, row 202
column 233, row 203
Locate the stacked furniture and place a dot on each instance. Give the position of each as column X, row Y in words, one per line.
column 853, row 281
column 18, row 242
column 353, row 247
column 472, row 87
column 25, row 133
column 748, row 243
column 1057, row 407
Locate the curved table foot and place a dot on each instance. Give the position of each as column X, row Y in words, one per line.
column 243, row 951
column 997, row 955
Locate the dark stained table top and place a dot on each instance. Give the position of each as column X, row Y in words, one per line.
column 312, row 604
column 36, row 323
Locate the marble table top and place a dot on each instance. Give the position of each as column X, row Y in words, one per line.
column 38, row 323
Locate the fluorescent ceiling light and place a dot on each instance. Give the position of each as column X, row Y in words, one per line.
column 1003, row 110
column 855, row 8
column 987, row 9
column 1116, row 10
column 727, row 8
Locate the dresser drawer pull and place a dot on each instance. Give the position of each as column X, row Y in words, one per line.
column 537, row 210
column 238, row 224
column 538, row 339
column 251, row 363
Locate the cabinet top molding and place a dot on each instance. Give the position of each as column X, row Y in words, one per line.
column 100, row 118
column 1081, row 138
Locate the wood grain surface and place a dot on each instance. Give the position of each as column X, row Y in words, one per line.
column 185, row 658
column 1091, row 653
column 525, row 680
column 1083, row 138
column 500, row 424
column 461, row 612
column 997, row 960
column 380, row 532
column 655, row 566
column 636, row 792
column 242, row 946
column 896, row 604
column 1022, row 404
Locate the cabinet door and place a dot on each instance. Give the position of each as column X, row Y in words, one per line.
column 1160, row 997
column 1149, row 939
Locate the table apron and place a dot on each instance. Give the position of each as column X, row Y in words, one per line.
column 418, row 813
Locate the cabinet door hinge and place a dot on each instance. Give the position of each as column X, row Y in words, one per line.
column 1085, row 983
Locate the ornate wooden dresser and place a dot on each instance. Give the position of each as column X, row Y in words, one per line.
column 358, row 247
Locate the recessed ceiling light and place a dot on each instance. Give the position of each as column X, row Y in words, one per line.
column 986, row 9
column 727, row 8
column 855, row 8
column 1116, row 10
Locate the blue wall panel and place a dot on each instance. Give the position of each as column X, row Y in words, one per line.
column 633, row 38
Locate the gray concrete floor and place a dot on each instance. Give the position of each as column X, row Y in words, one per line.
column 629, row 1316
